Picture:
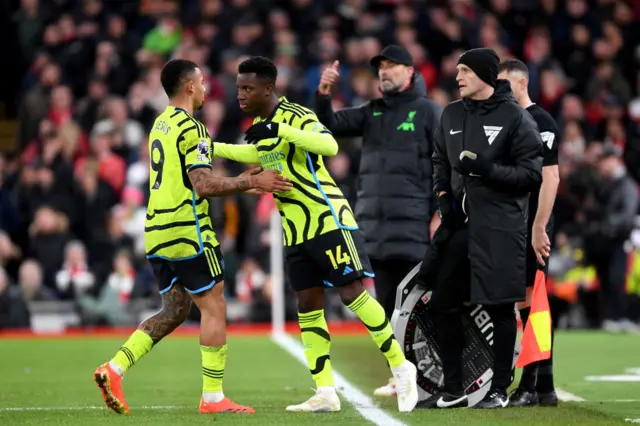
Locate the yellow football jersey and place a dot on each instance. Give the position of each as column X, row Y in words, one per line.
column 178, row 223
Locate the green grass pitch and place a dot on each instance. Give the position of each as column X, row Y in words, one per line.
column 49, row 382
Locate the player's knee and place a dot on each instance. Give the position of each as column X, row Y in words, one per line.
column 211, row 301
column 308, row 304
column 349, row 293
column 182, row 316
column 310, row 300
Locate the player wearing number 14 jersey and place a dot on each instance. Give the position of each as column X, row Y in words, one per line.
column 323, row 246
column 180, row 243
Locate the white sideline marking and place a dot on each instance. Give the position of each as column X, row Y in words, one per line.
column 362, row 403
column 563, row 395
column 91, row 407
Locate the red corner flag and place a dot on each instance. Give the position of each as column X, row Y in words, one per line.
column 536, row 340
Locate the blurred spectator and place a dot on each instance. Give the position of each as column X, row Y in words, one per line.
column 88, row 108
column 164, row 37
column 30, row 282
column 30, row 19
column 609, row 222
column 134, row 214
column 109, row 307
column 111, row 167
column 74, row 278
column 61, row 110
column 139, row 110
column 129, row 133
column 35, row 104
column 48, row 232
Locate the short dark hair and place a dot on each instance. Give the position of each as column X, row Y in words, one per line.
column 515, row 65
column 262, row 67
column 174, row 72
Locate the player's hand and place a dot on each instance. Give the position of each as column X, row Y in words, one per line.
column 541, row 244
column 273, row 181
column 262, row 130
column 251, row 172
column 329, row 77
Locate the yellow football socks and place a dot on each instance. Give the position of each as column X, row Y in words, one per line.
column 317, row 342
column 214, row 359
column 373, row 317
column 138, row 345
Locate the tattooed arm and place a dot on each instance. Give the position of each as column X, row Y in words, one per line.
column 207, row 185
column 176, row 305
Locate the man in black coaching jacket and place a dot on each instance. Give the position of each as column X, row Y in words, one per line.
column 487, row 158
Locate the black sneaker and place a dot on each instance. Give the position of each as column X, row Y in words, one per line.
column 444, row 400
column 523, row 398
column 548, row 399
column 494, row 399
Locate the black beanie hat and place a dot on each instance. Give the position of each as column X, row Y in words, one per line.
column 484, row 62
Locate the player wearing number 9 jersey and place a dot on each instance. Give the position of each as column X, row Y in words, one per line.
column 323, row 246
column 178, row 226
column 180, row 242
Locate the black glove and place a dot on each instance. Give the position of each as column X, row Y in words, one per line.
column 474, row 164
column 261, row 130
column 429, row 268
column 445, row 210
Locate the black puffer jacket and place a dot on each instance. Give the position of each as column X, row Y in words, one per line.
column 395, row 198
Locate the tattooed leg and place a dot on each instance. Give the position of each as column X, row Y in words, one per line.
column 176, row 305
column 175, row 308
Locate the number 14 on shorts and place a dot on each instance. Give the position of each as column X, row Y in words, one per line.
column 338, row 258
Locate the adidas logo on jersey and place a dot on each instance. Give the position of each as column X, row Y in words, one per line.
column 491, row 132
column 347, row 270
column 156, row 185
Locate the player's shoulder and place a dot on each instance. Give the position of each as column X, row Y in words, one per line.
column 188, row 126
column 301, row 117
column 543, row 119
column 295, row 109
column 296, row 114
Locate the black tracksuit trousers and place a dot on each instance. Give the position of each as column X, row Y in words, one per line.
column 451, row 290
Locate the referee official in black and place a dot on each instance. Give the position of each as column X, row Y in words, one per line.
column 536, row 383
column 395, row 200
column 487, row 159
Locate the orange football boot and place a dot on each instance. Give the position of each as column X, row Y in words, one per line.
column 224, row 406
column 110, row 384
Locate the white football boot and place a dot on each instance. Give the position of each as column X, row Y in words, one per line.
column 387, row 390
column 325, row 400
column 405, row 378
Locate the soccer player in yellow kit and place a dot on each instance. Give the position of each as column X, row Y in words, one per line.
column 323, row 246
column 180, row 243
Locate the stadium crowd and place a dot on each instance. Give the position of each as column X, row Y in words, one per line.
column 73, row 193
